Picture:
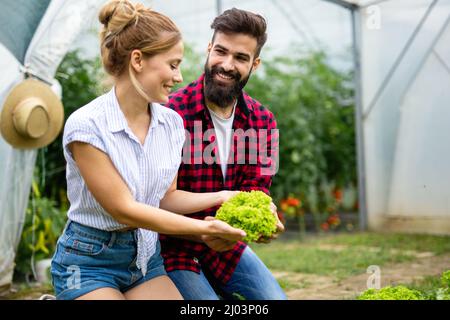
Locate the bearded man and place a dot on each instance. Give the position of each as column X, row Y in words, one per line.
column 231, row 144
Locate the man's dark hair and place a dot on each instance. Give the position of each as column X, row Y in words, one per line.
column 241, row 21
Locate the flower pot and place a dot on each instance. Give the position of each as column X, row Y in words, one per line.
column 42, row 270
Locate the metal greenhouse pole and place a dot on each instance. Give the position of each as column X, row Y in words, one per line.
column 356, row 39
column 362, row 201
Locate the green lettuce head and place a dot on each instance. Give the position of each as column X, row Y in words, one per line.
column 391, row 293
column 249, row 211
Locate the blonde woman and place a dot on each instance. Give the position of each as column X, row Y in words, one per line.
column 123, row 151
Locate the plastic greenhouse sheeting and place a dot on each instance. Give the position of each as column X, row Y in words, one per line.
column 34, row 38
column 421, row 173
column 405, row 81
column 404, row 68
column 15, row 175
column 21, row 18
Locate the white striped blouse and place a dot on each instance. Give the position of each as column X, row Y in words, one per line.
column 147, row 169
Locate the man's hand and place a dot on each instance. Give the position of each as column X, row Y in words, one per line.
column 216, row 243
column 280, row 226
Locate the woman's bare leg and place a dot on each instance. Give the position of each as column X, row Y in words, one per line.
column 103, row 294
column 159, row 288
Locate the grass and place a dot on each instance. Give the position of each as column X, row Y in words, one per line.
column 25, row 291
column 288, row 284
column 435, row 244
column 341, row 264
column 427, row 285
column 354, row 253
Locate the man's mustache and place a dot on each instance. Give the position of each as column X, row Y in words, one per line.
column 235, row 75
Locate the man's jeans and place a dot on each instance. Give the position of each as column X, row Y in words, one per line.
column 251, row 280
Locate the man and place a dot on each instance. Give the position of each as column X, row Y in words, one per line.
column 213, row 107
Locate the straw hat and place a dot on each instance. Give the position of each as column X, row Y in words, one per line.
column 32, row 115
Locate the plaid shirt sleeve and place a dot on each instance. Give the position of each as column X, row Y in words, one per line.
column 259, row 176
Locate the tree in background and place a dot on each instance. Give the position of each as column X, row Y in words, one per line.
column 314, row 107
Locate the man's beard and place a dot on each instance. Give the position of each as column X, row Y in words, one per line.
column 223, row 95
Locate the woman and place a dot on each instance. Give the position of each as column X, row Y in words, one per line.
column 123, row 151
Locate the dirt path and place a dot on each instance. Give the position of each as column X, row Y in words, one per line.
column 314, row 287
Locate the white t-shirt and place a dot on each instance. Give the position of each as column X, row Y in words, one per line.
column 224, row 130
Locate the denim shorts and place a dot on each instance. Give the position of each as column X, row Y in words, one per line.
column 87, row 259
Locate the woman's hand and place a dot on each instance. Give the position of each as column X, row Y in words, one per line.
column 217, row 243
column 224, row 231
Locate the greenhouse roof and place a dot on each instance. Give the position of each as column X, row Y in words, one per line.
column 356, row 3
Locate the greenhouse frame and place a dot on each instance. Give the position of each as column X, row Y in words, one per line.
column 401, row 59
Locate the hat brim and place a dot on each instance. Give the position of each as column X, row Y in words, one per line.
column 25, row 89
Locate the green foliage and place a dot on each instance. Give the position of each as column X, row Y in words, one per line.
column 192, row 66
column 403, row 293
column 443, row 293
column 44, row 223
column 445, row 279
column 391, row 293
column 314, row 107
column 249, row 211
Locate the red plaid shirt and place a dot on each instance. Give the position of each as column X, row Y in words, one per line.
column 245, row 171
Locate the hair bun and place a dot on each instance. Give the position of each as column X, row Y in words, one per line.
column 128, row 26
column 107, row 11
column 116, row 15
